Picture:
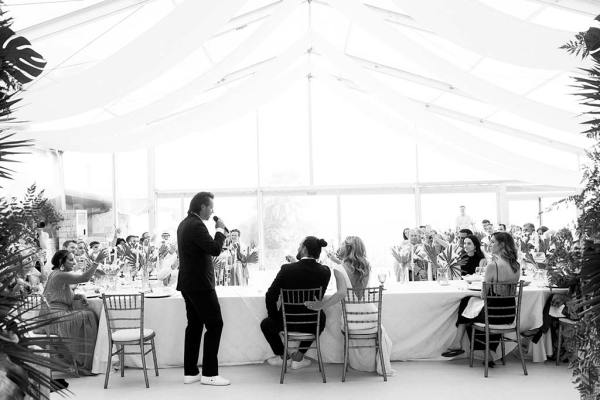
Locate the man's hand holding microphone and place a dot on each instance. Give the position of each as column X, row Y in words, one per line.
column 219, row 224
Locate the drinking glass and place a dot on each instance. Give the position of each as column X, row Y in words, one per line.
column 381, row 276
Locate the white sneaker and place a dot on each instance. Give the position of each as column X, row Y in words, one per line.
column 305, row 362
column 215, row 381
column 277, row 361
column 191, row 378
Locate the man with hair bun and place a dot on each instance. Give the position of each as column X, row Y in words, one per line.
column 306, row 273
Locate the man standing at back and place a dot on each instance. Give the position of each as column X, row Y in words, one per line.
column 196, row 282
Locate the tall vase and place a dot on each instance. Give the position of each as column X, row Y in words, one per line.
column 442, row 276
column 145, row 280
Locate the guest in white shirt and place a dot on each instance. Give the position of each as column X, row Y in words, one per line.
column 463, row 221
column 168, row 266
column 486, row 241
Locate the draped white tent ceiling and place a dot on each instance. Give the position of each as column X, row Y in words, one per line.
column 465, row 75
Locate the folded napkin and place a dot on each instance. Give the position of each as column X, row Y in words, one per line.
column 557, row 312
column 473, row 308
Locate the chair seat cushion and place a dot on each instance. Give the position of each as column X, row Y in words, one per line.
column 300, row 336
column 481, row 325
column 130, row 335
column 366, row 331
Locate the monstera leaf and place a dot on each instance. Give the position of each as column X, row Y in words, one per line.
column 24, row 63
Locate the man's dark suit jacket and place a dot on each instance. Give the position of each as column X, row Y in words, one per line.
column 304, row 274
column 196, row 249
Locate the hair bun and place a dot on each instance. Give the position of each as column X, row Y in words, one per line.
column 322, row 243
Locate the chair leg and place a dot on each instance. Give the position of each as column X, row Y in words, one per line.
column 503, row 350
column 381, row 359
column 345, row 358
column 487, row 353
column 154, row 357
column 558, row 345
column 144, row 363
column 284, row 364
column 108, row 364
column 320, row 359
column 472, row 350
column 521, row 353
column 121, row 350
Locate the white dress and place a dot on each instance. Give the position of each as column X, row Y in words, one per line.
column 363, row 359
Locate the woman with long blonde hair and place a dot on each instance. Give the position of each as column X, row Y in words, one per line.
column 352, row 271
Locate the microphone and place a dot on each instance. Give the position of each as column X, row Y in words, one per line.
column 215, row 218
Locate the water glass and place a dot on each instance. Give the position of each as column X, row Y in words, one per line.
column 381, row 276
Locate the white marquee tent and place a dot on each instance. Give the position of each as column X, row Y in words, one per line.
column 333, row 98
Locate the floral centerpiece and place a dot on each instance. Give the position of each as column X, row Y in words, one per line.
column 403, row 257
column 447, row 263
column 141, row 260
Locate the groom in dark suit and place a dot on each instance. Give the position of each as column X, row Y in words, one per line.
column 307, row 273
column 196, row 282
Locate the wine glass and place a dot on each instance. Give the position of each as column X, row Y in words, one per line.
column 381, row 276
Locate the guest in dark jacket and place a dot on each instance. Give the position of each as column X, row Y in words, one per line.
column 306, row 273
column 196, row 282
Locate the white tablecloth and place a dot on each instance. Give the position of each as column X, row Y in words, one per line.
column 419, row 317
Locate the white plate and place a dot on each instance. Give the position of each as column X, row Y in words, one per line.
column 157, row 295
column 474, row 287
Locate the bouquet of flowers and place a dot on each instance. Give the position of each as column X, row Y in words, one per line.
column 141, row 259
column 448, row 260
column 403, row 256
column 420, row 261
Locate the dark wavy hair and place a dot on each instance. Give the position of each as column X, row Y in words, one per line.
column 313, row 246
column 59, row 258
column 509, row 249
column 478, row 252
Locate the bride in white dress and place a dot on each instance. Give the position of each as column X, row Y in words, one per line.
column 352, row 272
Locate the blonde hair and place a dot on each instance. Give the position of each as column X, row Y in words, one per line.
column 355, row 257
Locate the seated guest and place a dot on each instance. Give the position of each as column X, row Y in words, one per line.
column 528, row 237
column 239, row 274
column 487, row 238
column 82, row 323
column 543, row 239
column 145, row 239
column 473, row 254
column 502, row 227
column 168, row 266
column 405, row 234
column 132, row 241
column 70, row 245
column 306, row 273
column 97, row 253
column 504, row 269
column 462, row 234
column 354, row 273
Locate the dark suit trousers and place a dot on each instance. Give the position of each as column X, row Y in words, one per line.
column 203, row 310
column 272, row 326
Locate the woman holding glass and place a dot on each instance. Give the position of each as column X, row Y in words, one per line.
column 79, row 322
column 353, row 272
column 504, row 269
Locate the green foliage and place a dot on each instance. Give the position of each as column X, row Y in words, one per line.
column 18, row 220
column 577, row 46
column 564, row 262
column 569, row 259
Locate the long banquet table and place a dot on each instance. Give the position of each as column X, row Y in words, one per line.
column 419, row 318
